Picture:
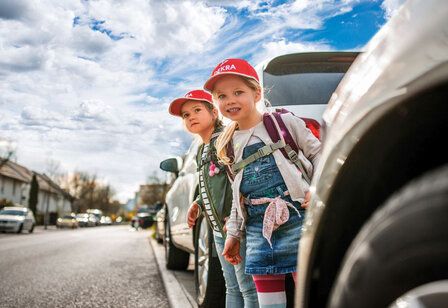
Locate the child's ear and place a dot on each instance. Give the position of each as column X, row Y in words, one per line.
column 215, row 113
column 257, row 94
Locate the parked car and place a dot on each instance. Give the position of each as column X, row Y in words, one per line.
column 376, row 230
column 97, row 214
column 16, row 219
column 67, row 221
column 105, row 221
column 145, row 217
column 300, row 82
column 303, row 82
column 86, row 220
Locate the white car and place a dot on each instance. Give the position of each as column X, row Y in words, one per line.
column 303, row 82
column 16, row 219
column 376, row 230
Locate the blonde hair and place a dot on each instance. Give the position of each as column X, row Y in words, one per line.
column 227, row 134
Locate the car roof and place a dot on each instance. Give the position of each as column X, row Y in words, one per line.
column 16, row 208
column 273, row 64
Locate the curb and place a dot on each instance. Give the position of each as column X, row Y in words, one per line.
column 177, row 295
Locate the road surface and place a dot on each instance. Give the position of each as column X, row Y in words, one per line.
column 110, row 266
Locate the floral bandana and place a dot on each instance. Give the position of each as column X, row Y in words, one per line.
column 276, row 214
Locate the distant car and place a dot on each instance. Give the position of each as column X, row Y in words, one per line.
column 85, row 220
column 16, row 219
column 105, row 221
column 97, row 215
column 142, row 220
column 160, row 225
column 67, row 221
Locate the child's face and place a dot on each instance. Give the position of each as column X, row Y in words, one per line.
column 236, row 100
column 197, row 117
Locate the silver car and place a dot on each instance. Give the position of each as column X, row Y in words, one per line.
column 376, row 230
column 16, row 219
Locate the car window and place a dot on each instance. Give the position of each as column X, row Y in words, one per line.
column 304, row 79
column 190, row 158
column 12, row 212
column 300, row 89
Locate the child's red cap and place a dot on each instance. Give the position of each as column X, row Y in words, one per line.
column 238, row 67
column 195, row 95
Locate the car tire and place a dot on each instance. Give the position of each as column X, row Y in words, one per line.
column 20, row 228
column 175, row 258
column 31, row 229
column 403, row 246
column 209, row 280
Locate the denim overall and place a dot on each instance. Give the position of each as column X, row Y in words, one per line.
column 262, row 178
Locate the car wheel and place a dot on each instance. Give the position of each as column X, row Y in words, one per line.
column 175, row 258
column 20, row 228
column 31, row 229
column 403, row 246
column 209, row 280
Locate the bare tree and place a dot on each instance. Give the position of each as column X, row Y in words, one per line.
column 54, row 171
column 90, row 193
column 7, row 151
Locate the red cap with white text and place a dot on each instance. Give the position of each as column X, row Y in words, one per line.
column 195, row 95
column 238, row 67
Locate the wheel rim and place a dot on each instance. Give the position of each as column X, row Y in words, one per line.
column 424, row 296
column 202, row 261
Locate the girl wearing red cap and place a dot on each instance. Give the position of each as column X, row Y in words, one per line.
column 269, row 192
column 215, row 198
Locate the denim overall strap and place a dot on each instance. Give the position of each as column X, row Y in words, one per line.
column 264, row 151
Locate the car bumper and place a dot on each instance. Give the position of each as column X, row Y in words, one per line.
column 9, row 227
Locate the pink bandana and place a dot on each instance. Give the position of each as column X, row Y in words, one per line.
column 276, row 214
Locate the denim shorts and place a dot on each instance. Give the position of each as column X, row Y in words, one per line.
column 263, row 179
column 282, row 257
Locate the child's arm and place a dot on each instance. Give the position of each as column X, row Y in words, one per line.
column 234, row 223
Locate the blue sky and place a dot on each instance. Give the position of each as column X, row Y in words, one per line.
column 87, row 84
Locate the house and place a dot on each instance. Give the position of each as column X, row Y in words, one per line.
column 15, row 185
column 52, row 199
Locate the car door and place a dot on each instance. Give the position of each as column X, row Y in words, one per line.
column 179, row 198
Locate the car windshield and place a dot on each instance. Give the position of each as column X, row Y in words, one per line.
column 302, row 83
column 12, row 212
column 68, row 217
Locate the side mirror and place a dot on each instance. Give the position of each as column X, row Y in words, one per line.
column 170, row 165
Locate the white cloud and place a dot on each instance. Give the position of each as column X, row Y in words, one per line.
column 88, row 83
column 391, row 7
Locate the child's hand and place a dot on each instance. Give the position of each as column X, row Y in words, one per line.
column 231, row 251
column 192, row 214
column 306, row 202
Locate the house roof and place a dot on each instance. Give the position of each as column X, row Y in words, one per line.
column 47, row 184
column 20, row 173
column 15, row 171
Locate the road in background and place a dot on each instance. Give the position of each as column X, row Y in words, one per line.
column 110, row 266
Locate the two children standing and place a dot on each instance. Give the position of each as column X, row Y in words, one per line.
column 253, row 197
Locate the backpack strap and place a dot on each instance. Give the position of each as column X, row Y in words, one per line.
column 230, row 154
column 263, row 151
column 291, row 150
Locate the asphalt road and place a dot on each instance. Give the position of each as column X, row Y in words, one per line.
column 111, row 266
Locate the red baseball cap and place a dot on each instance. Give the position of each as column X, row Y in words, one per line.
column 195, row 95
column 233, row 67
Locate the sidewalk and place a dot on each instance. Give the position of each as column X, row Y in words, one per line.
column 178, row 284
